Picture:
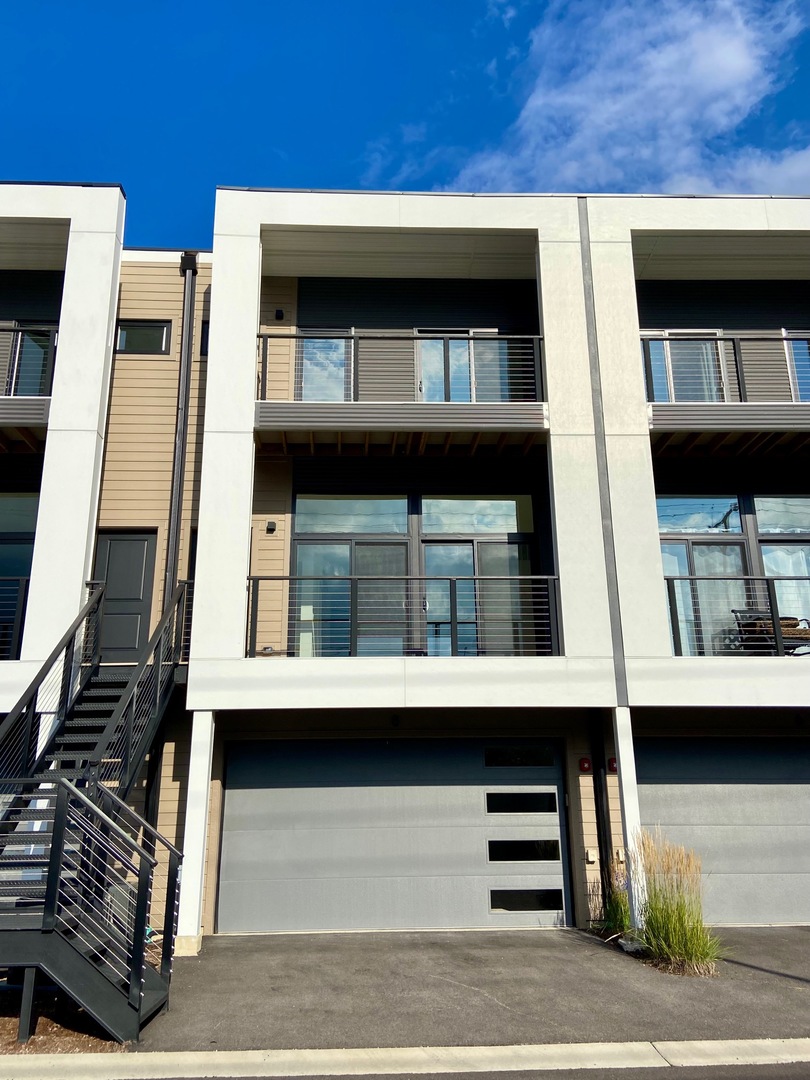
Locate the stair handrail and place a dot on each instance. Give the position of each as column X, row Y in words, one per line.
column 23, row 711
column 173, row 614
column 83, row 874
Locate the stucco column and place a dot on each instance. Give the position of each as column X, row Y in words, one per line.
column 573, row 465
column 226, row 487
column 71, row 477
column 628, row 799
column 189, row 925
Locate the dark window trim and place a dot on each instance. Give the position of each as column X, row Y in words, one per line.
column 167, row 336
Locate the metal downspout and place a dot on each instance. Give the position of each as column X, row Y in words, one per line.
column 188, row 268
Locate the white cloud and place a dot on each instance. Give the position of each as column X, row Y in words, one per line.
column 647, row 95
column 501, row 9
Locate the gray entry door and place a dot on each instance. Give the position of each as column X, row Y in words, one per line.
column 126, row 562
column 392, row 834
column 744, row 806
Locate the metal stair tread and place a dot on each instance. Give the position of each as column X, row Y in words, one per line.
column 93, row 706
column 68, row 774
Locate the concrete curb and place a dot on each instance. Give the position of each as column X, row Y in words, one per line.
column 403, row 1060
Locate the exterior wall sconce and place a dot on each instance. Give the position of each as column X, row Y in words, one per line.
column 612, row 766
column 585, row 765
column 279, row 315
column 270, row 528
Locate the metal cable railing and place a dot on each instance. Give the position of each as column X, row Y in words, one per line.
column 126, row 738
column 13, row 597
column 334, row 366
column 740, row 616
column 27, row 357
column 97, row 874
column 27, row 729
column 726, row 368
column 395, row 616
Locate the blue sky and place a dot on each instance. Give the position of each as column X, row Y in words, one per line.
column 173, row 98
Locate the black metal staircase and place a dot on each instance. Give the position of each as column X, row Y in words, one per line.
column 88, row 889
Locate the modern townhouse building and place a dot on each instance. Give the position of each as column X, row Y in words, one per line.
column 496, row 517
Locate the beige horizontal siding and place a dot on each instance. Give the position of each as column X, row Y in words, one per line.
column 270, row 555
column 139, row 449
column 279, row 294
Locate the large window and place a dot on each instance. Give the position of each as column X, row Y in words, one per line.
column 323, row 369
column 393, row 576
column 718, row 553
column 685, row 368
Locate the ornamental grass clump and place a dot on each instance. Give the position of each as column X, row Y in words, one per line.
column 671, row 894
column 616, row 914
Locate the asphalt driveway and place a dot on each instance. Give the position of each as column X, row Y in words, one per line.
column 474, row 988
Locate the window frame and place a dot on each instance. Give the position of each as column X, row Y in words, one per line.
column 167, row 336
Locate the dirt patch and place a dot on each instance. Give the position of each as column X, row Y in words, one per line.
column 60, row 1026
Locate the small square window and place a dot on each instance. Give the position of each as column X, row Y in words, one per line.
column 144, row 338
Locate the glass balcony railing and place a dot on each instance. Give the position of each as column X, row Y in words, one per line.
column 398, row 616
column 333, row 367
column 739, row 616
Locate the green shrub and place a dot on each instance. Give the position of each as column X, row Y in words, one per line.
column 670, row 890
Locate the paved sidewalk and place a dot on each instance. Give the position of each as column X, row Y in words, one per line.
column 508, row 988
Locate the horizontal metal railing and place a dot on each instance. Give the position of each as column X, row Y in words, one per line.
column 98, row 875
column 324, row 366
column 726, row 368
column 26, row 730
column 27, row 358
column 397, row 616
column 739, row 616
column 13, row 597
column 116, row 758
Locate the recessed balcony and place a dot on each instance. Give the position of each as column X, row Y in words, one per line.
column 420, row 393
column 728, row 384
column 27, row 359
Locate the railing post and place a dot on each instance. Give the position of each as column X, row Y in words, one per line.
column 253, row 625
column 263, row 382
column 555, row 634
column 674, row 621
column 648, row 371
column 353, row 617
column 139, row 932
column 539, row 387
column 129, row 719
column 354, row 353
column 67, row 678
column 738, row 365
column 170, row 916
column 49, row 364
column 55, row 860
column 770, row 586
column 30, row 736
column 454, row 615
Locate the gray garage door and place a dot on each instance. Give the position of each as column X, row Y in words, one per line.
column 377, row 834
column 744, row 806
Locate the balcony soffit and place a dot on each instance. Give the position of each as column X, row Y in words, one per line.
column 722, row 256
column 307, row 252
column 33, row 244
